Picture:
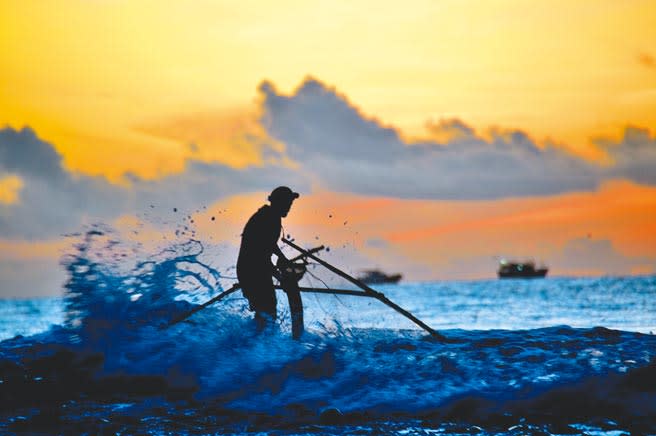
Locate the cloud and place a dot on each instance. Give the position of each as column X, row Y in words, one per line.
column 376, row 243
column 449, row 130
column 332, row 142
column 54, row 200
column 350, row 152
column 51, row 199
column 596, row 257
column 634, row 156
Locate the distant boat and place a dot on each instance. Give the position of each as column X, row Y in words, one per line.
column 374, row 277
column 511, row 270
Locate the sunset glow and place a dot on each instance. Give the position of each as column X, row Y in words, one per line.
column 134, row 94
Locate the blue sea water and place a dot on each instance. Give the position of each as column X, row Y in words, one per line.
column 619, row 303
column 543, row 356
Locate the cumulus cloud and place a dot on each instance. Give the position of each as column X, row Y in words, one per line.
column 450, row 130
column 634, row 156
column 53, row 200
column 333, row 142
column 348, row 151
column 589, row 256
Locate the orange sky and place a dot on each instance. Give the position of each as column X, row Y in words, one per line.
column 122, row 86
column 459, row 239
column 90, row 76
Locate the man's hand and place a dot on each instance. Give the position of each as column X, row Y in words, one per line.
column 283, row 263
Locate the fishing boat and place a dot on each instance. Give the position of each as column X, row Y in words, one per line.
column 374, row 276
column 510, row 270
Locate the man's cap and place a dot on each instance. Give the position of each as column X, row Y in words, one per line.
column 283, row 192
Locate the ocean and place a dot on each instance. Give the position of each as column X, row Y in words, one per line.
column 560, row 355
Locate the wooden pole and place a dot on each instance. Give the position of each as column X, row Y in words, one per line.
column 237, row 287
column 368, row 292
column 186, row 315
column 311, row 251
column 233, row 289
column 379, row 296
column 333, row 291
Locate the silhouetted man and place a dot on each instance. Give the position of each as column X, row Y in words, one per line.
column 259, row 241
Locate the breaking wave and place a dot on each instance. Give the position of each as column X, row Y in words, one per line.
column 114, row 348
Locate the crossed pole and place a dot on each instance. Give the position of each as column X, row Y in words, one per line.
column 366, row 291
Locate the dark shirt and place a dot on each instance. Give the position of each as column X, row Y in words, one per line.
column 258, row 241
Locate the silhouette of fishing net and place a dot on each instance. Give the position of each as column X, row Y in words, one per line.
column 334, row 313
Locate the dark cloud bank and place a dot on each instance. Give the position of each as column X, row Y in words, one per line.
column 350, row 152
column 54, row 200
column 335, row 144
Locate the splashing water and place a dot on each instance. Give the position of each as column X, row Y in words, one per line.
column 122, row 311
column 117, row 300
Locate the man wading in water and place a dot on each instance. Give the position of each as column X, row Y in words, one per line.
column 259, row 241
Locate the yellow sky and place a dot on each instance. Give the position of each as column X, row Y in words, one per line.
column 130, row 85
column 10, row 187
column 113, row 84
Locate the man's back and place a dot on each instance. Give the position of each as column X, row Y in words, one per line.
column 258, row 240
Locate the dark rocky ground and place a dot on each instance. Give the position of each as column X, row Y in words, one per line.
column 54, row 390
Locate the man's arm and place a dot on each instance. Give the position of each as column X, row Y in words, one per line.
column 278, row 252
column 282, row 260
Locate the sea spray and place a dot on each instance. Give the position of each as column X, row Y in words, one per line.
column 120, row 306
column 112, row 350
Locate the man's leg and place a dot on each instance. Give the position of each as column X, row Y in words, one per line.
column 290, row 286
column 263, row 320
column 265, row 308
column 261, row 296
